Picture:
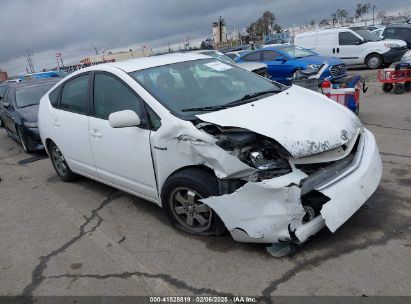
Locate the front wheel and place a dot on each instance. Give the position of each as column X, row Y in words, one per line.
column 407, row 86
column 374, row 61
column 399, row 88
column 180, row 199
column 60, row 164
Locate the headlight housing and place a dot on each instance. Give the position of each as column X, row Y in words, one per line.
column 391, row 45
column 31, row 124
column 314, row 66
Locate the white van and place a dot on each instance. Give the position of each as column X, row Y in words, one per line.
column 353, row 46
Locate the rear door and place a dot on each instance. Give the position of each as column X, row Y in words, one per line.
column 327, row 44
column 350, row 47
column 278, row 70
column 69, row 123
column 122, row 155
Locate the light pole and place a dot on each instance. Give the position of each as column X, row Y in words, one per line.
column 373, row 10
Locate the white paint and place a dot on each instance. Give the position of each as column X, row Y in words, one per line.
column 302, row 121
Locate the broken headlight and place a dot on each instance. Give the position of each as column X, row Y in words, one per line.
column 268, row 160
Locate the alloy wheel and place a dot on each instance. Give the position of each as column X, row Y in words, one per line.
column 59, row 161
column 188, row 211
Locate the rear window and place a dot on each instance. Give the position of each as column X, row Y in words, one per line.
column 31, row 95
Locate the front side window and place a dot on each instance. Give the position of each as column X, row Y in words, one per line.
column 74, row 97
column 111, row 95
column 31, row 95
column 347, row 38
column 208, row 83
column 390, row 32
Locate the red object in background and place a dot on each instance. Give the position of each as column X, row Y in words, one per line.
column 326, row 87
column 394, row 76
column 3, row 76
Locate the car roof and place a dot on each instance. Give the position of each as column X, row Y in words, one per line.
column 26, row 83
column 142, row 63
column 328, row 31
column 399, row 25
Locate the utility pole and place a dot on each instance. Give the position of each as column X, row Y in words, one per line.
column 373, row 10
column 94, row 47
column 28, row 56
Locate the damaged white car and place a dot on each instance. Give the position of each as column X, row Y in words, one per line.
column 216, row 146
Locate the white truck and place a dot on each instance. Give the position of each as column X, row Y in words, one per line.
column 353, row 46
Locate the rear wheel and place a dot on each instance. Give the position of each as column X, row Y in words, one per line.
column 387, row 87
column 60, row 164
column 180, row 198
column 374, row 61
column 407, row 86
column 399, row 88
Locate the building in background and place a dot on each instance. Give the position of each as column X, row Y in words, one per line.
column 3, row 76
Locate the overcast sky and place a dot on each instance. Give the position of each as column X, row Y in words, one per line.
column 44, row 26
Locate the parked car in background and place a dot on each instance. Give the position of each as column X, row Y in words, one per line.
column 353, row 46
column 400, row 31
column 255, row 67
column 19, row 110
column 236, row 54
column 283, row 61
column 41, row 75
column 218, row 147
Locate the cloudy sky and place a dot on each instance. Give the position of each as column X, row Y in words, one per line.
column 44, row 26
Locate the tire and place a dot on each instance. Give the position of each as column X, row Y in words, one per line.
column 399, row 88
column 180, row 196
column 407, row 86
column 23, row 140
column 1, row 123
column 60, row 164
column 387, row 87
column 374, row 61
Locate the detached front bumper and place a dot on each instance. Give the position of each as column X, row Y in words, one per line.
column 272, row 210
column 32, row 137
column 393, row 55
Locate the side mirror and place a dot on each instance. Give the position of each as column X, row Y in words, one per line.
column 123, row 119
column 358, row 42
column 281, row 58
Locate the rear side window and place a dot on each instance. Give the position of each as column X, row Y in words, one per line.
column 347, row 38
column 269, row 55
column 54, row 96
column 256, row 56
column 74, row 97
column 111, row 95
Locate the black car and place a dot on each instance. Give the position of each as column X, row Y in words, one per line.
column 400, row 31
column 19, row 104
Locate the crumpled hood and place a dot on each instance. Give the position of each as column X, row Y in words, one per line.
column 302, row 121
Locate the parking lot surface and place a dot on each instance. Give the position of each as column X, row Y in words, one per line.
column 85, row 238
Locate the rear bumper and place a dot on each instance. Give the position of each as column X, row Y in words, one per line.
column 271, row 211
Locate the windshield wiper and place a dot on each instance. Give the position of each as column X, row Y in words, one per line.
column 207, row 108
column 247, row 97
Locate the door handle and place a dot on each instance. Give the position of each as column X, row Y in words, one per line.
column 55, row 122
column 95, row 133
column 333, row 50
column 338, row 50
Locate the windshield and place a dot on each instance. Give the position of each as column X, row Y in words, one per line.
column 30, row 95
column 185, row 86
column 295, row 51
column 219, row 55
column 367, row 35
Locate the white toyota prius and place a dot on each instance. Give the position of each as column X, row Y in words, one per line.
column 218, row 147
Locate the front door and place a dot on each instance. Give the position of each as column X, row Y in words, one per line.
column 122, row 155
column 350, row 47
